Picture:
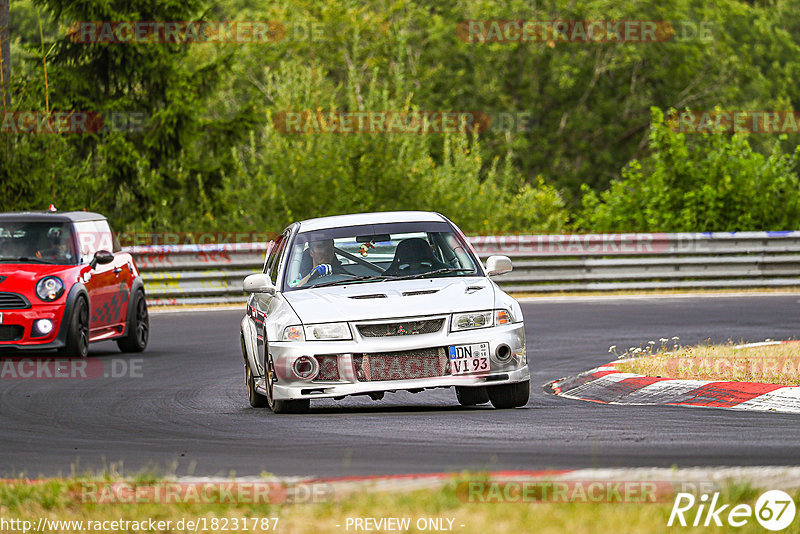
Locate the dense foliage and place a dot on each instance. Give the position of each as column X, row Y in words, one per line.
column 594, row 154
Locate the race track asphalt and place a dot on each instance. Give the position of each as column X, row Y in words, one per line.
column 187, row 414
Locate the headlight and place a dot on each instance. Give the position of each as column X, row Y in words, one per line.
column 293, row 333
column 49, row 288
column 328, row 331
column 481, row 319
column 470, row 320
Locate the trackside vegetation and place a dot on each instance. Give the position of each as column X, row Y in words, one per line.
column 770, row 364
column 580, row 137
column 54, row 500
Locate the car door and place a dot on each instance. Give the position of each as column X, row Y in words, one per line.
column 263, row 303
column 102, row 282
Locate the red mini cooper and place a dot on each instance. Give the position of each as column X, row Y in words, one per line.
column 64, row 284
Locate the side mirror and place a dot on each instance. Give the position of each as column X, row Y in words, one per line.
column 101, row 257
column 498, row 265
column 259, row 283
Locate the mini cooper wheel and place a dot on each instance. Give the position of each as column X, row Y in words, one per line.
column 78, row 331
column 510, row 395
column 257, row 400
column 138, row 327
column 468, row 396
column 283, row 406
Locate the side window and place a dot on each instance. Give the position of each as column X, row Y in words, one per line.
column 93, row 236
column 272, row 248
column 275, row 260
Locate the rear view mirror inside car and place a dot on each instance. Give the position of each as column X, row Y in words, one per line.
column 376, row 238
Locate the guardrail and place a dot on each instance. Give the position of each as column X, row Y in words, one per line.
column 203, row 274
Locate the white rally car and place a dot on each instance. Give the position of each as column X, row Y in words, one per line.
column 368, row 303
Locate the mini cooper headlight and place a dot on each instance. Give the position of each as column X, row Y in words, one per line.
column 49, row 288
column 471, row 320
column 328, row 331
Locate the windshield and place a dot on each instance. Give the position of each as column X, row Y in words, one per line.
column 37, row 242
column 393, row 251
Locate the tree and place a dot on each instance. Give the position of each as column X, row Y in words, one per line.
column 5, row 54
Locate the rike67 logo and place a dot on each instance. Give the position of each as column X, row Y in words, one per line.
column 774, row 510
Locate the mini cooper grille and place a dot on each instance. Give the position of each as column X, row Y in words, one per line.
column 11, row 332
column 404, row 365
column 328, row 368
column 12, row 301
column 404, row 328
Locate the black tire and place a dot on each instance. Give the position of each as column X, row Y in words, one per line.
column 468, row 396
column 77, row 344
column 284, row 406
column 257, row 400
column 138, row 328
column 510, row 395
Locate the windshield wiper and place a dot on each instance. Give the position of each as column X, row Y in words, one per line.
column 27, row 259
column 364, row 278
column 429, row 273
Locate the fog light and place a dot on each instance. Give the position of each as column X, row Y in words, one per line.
column 503, row 353
column 305, row 367
column 42, row 327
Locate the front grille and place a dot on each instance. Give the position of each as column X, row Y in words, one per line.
column 328, row 368
column 403, row 365
column 12, row 301
column 11, row 332
column 401, row 328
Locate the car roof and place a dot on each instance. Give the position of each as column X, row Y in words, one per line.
column 51, row 216
column 356, row 219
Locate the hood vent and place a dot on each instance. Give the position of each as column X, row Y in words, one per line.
column 421, row 292
column 375, row 296
column 473, row 289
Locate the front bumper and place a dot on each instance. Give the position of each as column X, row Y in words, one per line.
column 23, row 320
column 287, row 385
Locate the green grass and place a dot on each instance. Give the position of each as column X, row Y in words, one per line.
column 59, row 500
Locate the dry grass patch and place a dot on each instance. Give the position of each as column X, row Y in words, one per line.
column 770, row 364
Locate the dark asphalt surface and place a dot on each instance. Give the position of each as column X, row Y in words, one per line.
column 188, row 412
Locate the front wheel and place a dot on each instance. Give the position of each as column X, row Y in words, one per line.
column 78, row 331
column 283, row 406
column 138, row 328
column 257, row 400
column 510, row 395
column 469, row 396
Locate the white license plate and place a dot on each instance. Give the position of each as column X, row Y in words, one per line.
column 469, row 359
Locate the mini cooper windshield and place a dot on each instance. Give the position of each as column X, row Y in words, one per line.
column 393, row 251
column 37, row 242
